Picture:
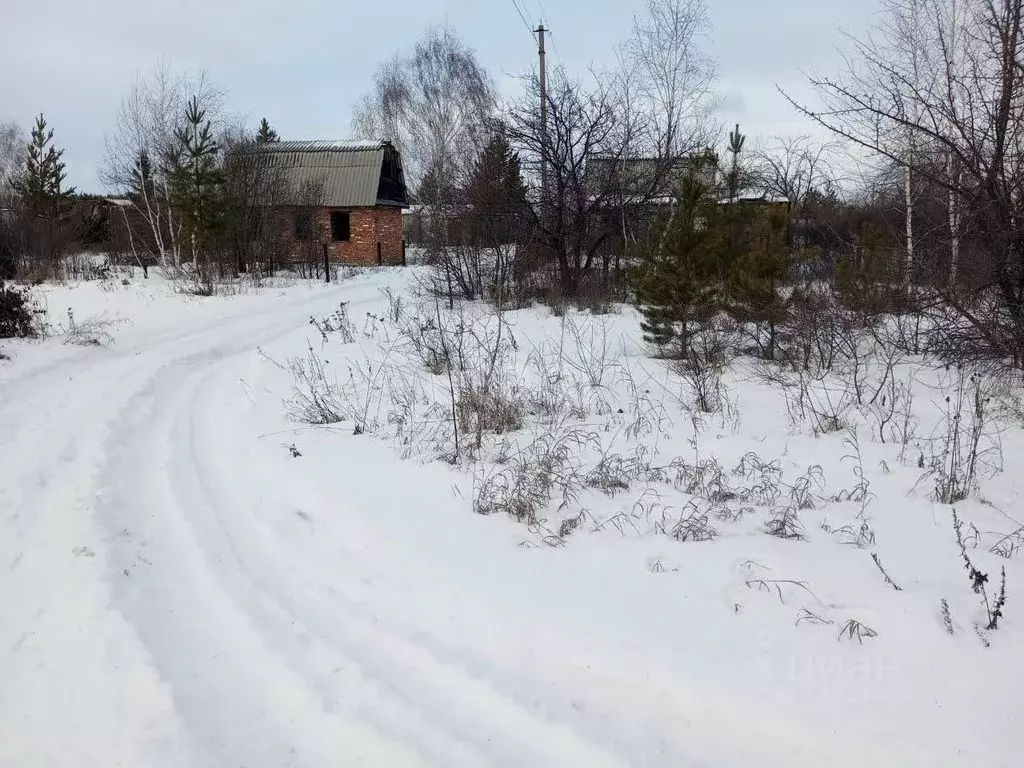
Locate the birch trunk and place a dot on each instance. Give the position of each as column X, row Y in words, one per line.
column 954, row 224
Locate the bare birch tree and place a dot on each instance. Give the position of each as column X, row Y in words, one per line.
column 673, row 74
column 963, row 99
column 433, row 104
column 140, row 156
column 12, row 153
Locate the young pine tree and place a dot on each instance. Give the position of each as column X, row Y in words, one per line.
column 41, row 184
column 863, row 277
column 758, row 270
column 736, row 142
column 197, row 185
column 678, row 282
column 266, row 134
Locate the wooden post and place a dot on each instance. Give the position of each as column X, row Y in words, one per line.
column 403, row 253
column 327, row 265
column 380, row 257
column 540, row 30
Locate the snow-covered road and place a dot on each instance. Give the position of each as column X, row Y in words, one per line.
column 176, row 590
column 89, row 493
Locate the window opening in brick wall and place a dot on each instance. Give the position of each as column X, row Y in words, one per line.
column 302, row 226
column 341, row 226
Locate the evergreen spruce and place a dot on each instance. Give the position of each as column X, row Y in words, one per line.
column 496, row 193
column 266, row 134
column 197, row 184
column 41, row 184
column 438, row 187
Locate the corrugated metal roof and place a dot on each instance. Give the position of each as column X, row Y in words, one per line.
column 322, row 145
column 336, row 174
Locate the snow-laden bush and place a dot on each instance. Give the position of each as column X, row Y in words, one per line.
column 17, row 318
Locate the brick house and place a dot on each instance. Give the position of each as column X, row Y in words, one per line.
column 346, row 196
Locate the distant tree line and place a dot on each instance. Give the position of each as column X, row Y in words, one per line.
column 180, row 196
column 625, row 177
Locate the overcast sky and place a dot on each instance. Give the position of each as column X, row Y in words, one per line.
column 303, row 63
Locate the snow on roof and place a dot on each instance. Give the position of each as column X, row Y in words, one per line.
column 323, row 145
column 755, row 199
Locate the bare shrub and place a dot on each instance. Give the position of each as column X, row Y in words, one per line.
column 1009, row 545
column 993, row 610
column 891, row 413
column 706, row 478
column 854, row 630
column 337, row 322
column 829, row 405
column 92, row 332
column 318, row 397
column 764, row 479
column 812, row 396
column 693, row 524
column 615, row 473
column 702, row 368
column 858, row 533
column 802, row 491
column 784, row 523
column 315, row 391
column 590, row 354
column 960, row 456
column 868, row 358
column 808, row 340
column 524, row 486
column 495, row 407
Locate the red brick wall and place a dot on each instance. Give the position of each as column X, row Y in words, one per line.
column 367, row 228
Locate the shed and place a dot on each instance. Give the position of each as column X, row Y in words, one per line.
column 346, row 196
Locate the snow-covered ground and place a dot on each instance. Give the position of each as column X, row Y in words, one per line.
column 188, row 577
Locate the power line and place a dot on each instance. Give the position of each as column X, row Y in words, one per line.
column 543, row 10
column 554, row 45
column 522, row 17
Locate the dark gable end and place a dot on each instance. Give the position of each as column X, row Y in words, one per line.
column 391, row 187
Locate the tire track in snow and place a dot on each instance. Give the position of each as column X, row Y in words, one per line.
column 238, row 704
column 408, row 683
column 77, row 684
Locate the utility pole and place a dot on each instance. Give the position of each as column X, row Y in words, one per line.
column 540, row 30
